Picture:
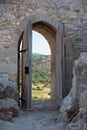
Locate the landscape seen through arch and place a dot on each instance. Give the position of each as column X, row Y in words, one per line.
column 41, row 65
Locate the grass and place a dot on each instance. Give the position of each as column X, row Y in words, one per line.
column 35, row 91
column 40, row 93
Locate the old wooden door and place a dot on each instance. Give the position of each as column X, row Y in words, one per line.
column 27, row 67
column 60, row 64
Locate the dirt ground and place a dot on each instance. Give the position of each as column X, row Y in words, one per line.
column 34, row 120
column 41, row 117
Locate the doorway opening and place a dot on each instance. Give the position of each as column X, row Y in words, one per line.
column 41, row 68
column 55, row 41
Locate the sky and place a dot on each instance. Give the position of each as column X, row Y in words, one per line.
column 40, row 44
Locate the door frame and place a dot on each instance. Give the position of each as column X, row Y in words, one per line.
column 60, row 63
column 59, row 67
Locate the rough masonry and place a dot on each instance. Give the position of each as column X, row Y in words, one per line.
column 14, row 16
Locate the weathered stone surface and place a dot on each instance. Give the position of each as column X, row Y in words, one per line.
column 78, row 94
column 63, row 118
column 79, row 83
column 8, row 89
column 83, row 100
column 75, row 126
column 15, row 14
column 13, row 18
column 73, row 111
column 9, row 105
column 6, row 116
column 68, row 14
column 85, row 126
column 67, row 103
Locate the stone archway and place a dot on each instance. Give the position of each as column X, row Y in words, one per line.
column 55, row 41
column 50, row 34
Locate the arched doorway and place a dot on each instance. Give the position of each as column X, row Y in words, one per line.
column 41, row 68
column 55, row 40
column 50, row 36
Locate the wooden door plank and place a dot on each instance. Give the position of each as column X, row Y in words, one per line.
column 59, row 63
column 27, row 64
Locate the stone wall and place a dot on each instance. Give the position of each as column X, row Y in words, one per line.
column 15, row 15
column 73, row 110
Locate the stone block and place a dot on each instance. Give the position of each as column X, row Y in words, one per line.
column 84, row 1
column 83, row 100
column 68, row 14
column 9, row 105
column 8, row 89
column 11, row 69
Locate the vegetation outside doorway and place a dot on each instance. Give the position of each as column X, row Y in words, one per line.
column 41, row 68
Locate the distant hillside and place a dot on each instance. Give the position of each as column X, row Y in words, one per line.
column 41, row 69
